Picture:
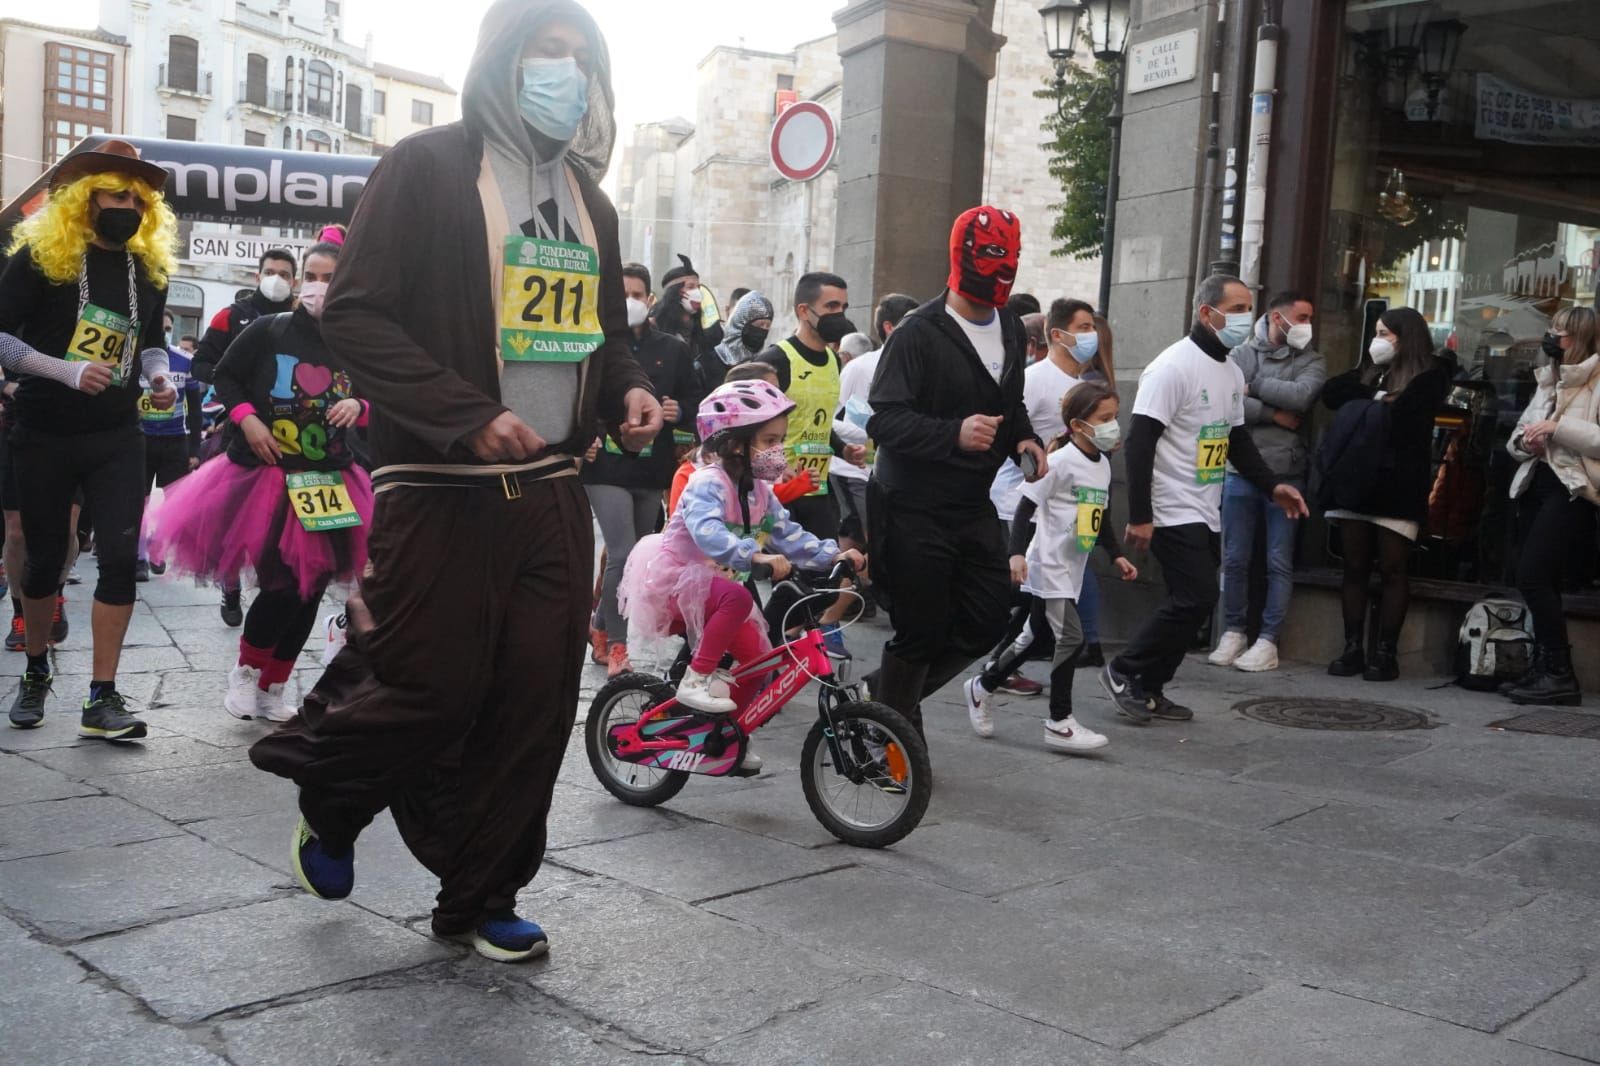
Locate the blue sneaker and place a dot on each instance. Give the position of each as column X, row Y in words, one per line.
column 1126, row 693
column 833, row 640
column 504, row 937
column 319, row 873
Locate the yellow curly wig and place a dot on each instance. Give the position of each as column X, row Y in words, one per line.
column 57, row 234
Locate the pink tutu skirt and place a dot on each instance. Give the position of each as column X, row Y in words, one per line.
column 661, row 594
column 226, row 519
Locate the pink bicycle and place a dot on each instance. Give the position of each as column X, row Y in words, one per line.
column 864, row 769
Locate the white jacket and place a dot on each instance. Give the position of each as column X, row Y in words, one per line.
column 1573, row 451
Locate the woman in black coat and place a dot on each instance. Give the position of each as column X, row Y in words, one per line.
column 1381, row 516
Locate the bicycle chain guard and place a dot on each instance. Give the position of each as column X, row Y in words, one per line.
column 712, row 744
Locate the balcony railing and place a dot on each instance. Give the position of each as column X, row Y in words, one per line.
column 201, row 86
column 358, row 125
column 318, row 108
column 263, row 98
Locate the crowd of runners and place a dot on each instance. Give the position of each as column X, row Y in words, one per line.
column 432, row 413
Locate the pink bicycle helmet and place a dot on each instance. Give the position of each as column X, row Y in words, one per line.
column 738, row 404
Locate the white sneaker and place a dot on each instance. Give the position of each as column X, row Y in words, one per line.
column 1262, row 656
column 271, row 705
column 1229, row 648
column 1068, row 735
column 333, row 626
column 243, row 691
column 705, row 692
column 978, row 708
column 751, row 762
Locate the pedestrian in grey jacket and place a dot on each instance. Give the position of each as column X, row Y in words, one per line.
column 1283, row 377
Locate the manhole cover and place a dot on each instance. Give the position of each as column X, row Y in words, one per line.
column 1554, row 723
column 1356, row 715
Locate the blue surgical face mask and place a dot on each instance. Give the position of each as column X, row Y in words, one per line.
column 554, row 96
column 1085, row 346
column 1236, row 330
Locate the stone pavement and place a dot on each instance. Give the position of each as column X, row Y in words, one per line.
column 1226, row 892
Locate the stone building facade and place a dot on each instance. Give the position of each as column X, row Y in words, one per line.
column 706, row 188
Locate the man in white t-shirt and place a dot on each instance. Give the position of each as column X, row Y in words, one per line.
column 1188, row 424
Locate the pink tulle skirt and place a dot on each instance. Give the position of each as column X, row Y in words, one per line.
column 226, row 519
column 661, row 594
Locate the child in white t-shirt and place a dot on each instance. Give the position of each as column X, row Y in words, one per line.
column 1068, row 505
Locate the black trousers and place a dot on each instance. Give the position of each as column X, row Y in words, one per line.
column 166, row 459
column 944, row 573
column 453, row 702
column 280, row 620
column 50, row 469
column 1189, row 556
column 1551, row 522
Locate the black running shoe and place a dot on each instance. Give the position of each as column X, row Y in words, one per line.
column 141, row 571
column 232, row 612
column 27, row 710
column 1167, row 711
column 1126, row 693
column 158, row 568
column 107, row 718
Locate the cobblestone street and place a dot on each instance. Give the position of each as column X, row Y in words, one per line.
column 1225, row 892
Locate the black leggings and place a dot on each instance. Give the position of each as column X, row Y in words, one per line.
column 108, row 466
column 280, row 620
column 1551, row 523
column 1367, row 545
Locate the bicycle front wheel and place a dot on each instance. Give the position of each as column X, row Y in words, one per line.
column 866, row 777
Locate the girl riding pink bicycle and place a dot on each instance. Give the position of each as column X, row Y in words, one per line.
column 691, row 576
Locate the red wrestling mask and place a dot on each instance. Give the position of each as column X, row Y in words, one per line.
column 985, row 244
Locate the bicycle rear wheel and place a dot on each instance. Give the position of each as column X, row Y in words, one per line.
column 622, row 702
column 866, row 777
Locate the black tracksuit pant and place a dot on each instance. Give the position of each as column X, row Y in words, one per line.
column 944, row 572
column 1189, row 556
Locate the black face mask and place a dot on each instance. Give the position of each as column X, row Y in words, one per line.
column 1551, row 346
column 117, row 224
column 834, row 328
column 754, row 338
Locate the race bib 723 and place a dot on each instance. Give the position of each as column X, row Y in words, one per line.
column 1211, row 454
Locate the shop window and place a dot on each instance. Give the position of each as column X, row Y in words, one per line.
column 1463, row 185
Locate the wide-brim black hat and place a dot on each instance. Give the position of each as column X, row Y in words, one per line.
column 109, row 157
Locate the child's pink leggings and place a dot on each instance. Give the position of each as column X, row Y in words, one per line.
column 729, row 628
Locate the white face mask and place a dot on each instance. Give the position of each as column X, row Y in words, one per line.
column 638, row 311
column 276, row 289
column 1382, row 351
column 691, row 299
column 1297, row 334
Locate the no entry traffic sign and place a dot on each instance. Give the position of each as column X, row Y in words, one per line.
column 803, row 140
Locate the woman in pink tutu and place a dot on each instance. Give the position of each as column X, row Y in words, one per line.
column 286, row 503
column 689, row 577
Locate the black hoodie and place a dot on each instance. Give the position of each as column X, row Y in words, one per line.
column 929, row 381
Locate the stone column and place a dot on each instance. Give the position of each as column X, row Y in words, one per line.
column 911, row 140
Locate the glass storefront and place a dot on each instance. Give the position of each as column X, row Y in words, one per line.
column 1466, row 184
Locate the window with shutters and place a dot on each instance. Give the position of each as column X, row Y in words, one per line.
column 380, row 101
column 253, row 139
column 183, row 63
column 422, row 112
column 180, row 128
column 255, row 79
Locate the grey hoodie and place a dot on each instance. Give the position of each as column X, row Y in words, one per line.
column 752, row 307
column 531, row 173
column 1280, row 378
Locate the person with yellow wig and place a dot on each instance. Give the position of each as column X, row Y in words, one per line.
column 81, row 302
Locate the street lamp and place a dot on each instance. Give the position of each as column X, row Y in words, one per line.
column 1436, row 57
column 1108, row 33
column 1061, row 20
